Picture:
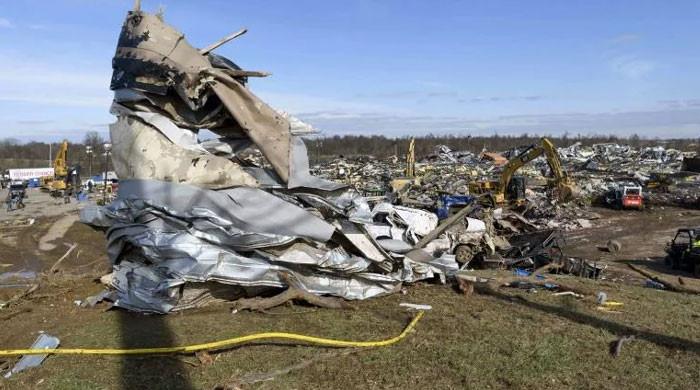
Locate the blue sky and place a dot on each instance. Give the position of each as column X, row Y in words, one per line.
column 392, row 67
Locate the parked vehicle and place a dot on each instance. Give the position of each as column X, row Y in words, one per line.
column 626, row 196
column 15, row 196
column 684, row 250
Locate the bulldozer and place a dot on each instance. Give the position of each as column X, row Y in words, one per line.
column 507, row 184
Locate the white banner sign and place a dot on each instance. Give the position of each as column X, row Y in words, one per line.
column 30, row 173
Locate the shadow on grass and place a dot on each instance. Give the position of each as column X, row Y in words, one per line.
column 150, row 372
column 657, row 264
column 613, row 327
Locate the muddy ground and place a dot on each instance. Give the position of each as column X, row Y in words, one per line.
column 494, row 338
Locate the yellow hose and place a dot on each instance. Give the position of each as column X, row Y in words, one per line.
column 219, row 344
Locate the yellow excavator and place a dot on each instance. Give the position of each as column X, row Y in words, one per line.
column 561, row 182
column 58, row 184
column 398, row 185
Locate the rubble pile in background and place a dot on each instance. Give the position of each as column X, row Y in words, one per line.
column 596, row 169
column 599, row 167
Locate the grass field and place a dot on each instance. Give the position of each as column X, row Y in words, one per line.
column 494, row 338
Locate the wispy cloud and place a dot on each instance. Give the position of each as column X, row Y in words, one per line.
column 402, row 94
column 35, row 122
column 5, row 23
column 679, row 103
column 530, row 98
column 40, row 27
column 48, row 84
column 62, row 100
column 445, row 94
column 632, row 67
column 624, row 39
column 650, row 123
column 296, row 102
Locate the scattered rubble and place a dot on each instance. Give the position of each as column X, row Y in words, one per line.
column 233, row 217
column 185, row 217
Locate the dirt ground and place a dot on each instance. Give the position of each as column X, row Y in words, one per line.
column 494, row 338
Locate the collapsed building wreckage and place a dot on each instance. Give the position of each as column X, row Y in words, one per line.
column 192, row 221
column 195, row 222
column 668, row 176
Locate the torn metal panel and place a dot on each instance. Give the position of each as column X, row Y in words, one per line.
column 44, row 341
column 95, row 216
column 299, row 175
column 395, row 246
column 241, row 236
column 336, row 259
column 144, row 288
column 185, row 138
column 384, row 231
column 247, row 209
column 361, row 241
column 420, row 222
column 583, row 268
column 154, row 58
column 157, row 71
column 142, row 152
column 297, row 126
column 175, row 109
column 268, row 129
column 226, row 147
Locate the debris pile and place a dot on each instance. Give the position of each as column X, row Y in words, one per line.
column 601, row 168
column 193, row 223
column 666, row 174
column 235, row 216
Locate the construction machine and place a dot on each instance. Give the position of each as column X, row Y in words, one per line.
column 684, row 250
column 400, row 184
column 625, row 195
column 62, row 181
column 15, row 196
column 506, row 184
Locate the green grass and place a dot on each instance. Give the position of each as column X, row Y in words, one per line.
column 497, row 339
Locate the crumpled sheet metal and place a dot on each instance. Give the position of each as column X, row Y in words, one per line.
column 141, row 151
column 242, row 237
column 187, row 213
column 240, row 209
column 150, row 289
column 183, row 137
column 153, row 59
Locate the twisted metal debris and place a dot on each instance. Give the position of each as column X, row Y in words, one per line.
column 191, row 217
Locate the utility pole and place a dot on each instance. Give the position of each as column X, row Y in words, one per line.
column 88, row 151
column 108, row 147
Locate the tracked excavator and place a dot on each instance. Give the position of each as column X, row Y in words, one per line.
column 62, row 182
column 500, row 189
column 400, row 184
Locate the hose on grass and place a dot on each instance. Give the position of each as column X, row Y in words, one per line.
column 220, row 344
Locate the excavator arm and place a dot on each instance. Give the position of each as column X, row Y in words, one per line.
column 561, row 178
column 560, row 175
column 516, row 163
column 411, row 159
column 60, row 162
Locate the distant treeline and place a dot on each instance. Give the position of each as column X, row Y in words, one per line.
column 381, row 146
column 16, row 154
